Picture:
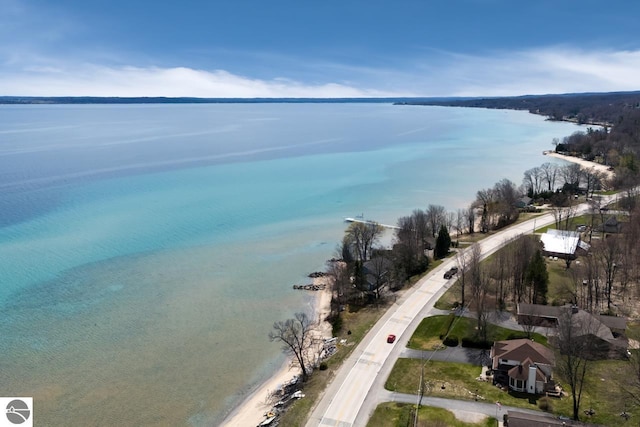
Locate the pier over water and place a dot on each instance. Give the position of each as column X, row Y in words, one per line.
column 367, row 221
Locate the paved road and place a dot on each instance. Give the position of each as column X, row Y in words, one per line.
column 458, row 406
column 358, row 386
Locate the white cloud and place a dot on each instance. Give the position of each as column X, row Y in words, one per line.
column 91, row 80
column 537, row 71
column 541, row 71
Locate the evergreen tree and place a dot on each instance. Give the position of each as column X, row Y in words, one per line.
column 538, row 278
column 443, row 243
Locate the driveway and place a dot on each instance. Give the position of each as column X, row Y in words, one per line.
column 457, row 354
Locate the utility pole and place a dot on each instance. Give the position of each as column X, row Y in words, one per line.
column 420, row 392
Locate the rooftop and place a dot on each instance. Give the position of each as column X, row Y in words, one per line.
column 523, row 349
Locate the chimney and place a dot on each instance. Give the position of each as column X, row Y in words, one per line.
column 531, row 380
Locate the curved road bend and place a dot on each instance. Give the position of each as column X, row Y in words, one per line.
column 358, row 387
column 489, row 409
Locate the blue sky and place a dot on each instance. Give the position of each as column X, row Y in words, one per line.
column 330, row 48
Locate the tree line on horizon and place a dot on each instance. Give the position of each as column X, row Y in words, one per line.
column 614, row 140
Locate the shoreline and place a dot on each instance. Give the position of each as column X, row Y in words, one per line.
column 586, row 164
column 250, row 411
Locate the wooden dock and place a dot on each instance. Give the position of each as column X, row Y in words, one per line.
column 367, row 221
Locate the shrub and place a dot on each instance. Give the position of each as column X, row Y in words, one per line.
column 451, row 341
column 323, row 366
column 475, row 343
column 545, row 404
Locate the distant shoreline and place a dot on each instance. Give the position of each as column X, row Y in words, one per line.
column 80, row 100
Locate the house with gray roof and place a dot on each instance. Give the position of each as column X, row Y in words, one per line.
column 606, row 334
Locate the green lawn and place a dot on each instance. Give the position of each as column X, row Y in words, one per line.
column 427, row 334
column 394, row 414
column 601, row 393
column 445, row 379
column 561, row 284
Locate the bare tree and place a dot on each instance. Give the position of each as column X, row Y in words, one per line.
column 575, row 349
column 593, row 180
column 471, row 219
column 478, row 282
column 563, row 214
column 420, row 227
column 595, row 210
column 571, row 174
column 412, row 238
column 528, row 322
column 296, row 338
column 500, row 273
column 450, row 220
column 550, row 173
column 486, row 199
column 632, row 193
column 361, row 237
column 592, row 279
column 608, row 252
column 533, row 180
column 341, row 287
column 377, row 272
column 521, row 250
column 506, row 195
column 435, row 218
column 482, row 312
column 460, row 220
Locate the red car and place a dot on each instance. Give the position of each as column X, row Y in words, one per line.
column 391, row 338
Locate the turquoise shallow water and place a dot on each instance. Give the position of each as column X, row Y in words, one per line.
column 145, row 250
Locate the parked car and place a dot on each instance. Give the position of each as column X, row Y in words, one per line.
column 451, row 272
column 391, row 338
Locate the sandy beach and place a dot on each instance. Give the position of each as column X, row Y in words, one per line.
column 251, row 411
column 584, row 163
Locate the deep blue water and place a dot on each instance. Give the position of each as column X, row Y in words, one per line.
column 145, row 250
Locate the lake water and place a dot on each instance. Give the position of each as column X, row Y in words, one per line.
column 146, row 250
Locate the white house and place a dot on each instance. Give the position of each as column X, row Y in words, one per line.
column 562, row 243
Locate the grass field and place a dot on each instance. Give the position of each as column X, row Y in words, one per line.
column 395, row 414
column 601, row 393
column 427, row 335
